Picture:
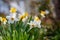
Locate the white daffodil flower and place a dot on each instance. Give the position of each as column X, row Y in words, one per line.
column 32, row 24
column 13, row 12
column 43, row 13
column 23, row 17
column 11, row 19
column 3, row 20
column 35, row 23
column 13, row 15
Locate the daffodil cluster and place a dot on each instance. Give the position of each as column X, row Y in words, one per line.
column 14, row 18
column 36, row 22
column 20, row 25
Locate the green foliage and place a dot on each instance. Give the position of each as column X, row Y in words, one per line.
column 16, row 31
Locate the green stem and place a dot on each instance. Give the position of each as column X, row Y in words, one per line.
column 11, row 33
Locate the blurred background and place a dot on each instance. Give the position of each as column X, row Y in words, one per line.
column 30, row 6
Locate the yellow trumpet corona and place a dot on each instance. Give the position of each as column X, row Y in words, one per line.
column 36, row 19
column 4, row 20
column 12, row 18
column 22, row 17
column 43, row 12
column 13, row 10
column 25, row 14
